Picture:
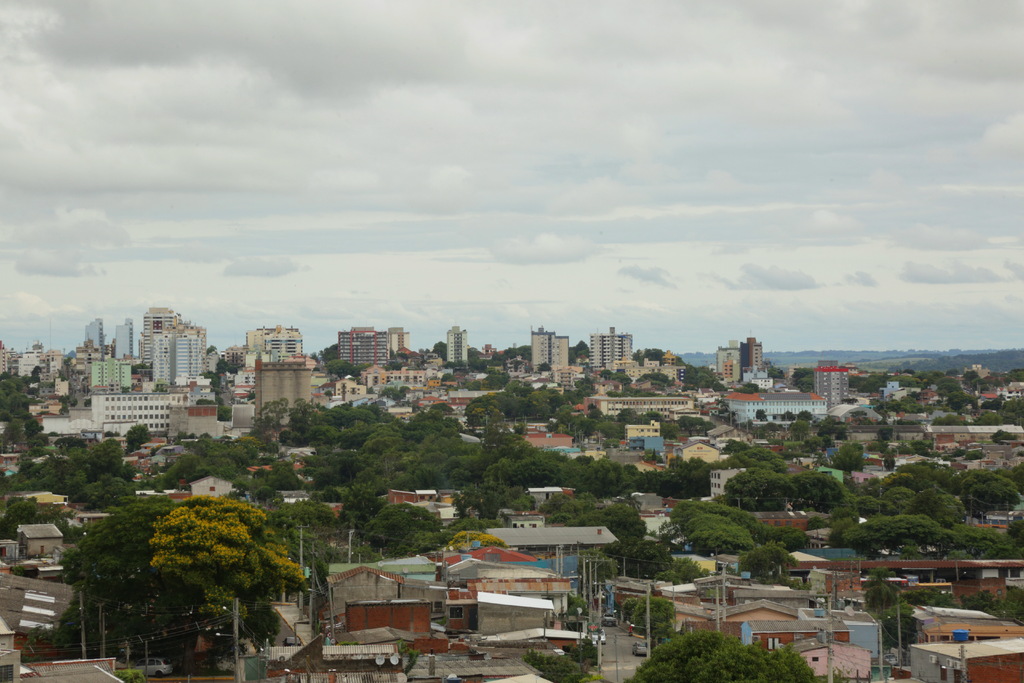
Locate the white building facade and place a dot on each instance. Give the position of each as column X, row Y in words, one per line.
column 606, row 348
column 458, row 345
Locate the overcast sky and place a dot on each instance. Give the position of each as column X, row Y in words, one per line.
column 843, row 174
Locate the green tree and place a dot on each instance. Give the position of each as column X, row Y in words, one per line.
column 984, row 491
column 769, row 562
column 879, row 592
column 850, row 457
column 136, row 436
column 639, row 558
column 209, row 551
column 663, row 615
column 893, row 534
column 403, row 529
column 759, row 489
column 683, row 570
column 713, row 657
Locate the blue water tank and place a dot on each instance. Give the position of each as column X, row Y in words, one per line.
column 744, row 575
column 960, row 635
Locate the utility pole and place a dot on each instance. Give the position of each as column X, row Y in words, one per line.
column 899, row 635
column 302, row 565
column 963, row 664
column 103, row 633
column 234, row 632
column 650, row 645
column 881, row 660
column 351, row 532
column 81, row 619
column 829, row 635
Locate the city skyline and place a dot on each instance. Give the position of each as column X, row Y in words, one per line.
column 822, row 175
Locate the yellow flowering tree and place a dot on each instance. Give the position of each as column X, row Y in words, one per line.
column 464, row 539
column 216, row 549
column 209, row 551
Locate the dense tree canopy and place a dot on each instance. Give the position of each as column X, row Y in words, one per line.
column 712, row 657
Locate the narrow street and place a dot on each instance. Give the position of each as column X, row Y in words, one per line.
column 619, row 662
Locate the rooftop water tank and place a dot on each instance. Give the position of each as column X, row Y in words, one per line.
column 960, row 635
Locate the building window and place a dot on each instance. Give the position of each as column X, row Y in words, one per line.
column 774, row 643
column 455, row 612
column 7, row 672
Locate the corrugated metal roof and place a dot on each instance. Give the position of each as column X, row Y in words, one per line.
column 358, row 651
column 972, row 649
column 514, row 601
column 557, row 535
column 794, row 626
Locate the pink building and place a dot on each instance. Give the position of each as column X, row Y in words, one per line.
column 852, row 661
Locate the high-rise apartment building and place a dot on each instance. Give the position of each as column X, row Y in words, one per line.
column 276, row 341
column 831, row 382
column 124, row 339
column 94, row 333
column 170, row 346
column 179, row 353
column 111, row 375
column 606, row 348
column 398, row 339
column 155, row 321
column 363, row 346
column 548, row 347
column 751, row 355
column 727, row 361
column 458, row 346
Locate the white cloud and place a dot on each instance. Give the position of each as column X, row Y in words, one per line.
column 771, row 278
column 1016, row 268
column 261, row 267
column 652, row 275
column 830, row 222
column 1005, row 137
column 956, row 273
column 53, row 263
column 938, row 238
column 544, row 248
column 861, row 279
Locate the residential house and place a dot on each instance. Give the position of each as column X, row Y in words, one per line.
column 701, row 450
column 552, row 540
column 491, row 613
column 991, row 661
column 38, row 540
column 542, row 494
column 774, row 634
column 211, row 486
column 940, row 625
column 366, row 583
column 849, row 659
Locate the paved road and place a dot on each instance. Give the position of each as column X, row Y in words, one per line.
column 619, row 661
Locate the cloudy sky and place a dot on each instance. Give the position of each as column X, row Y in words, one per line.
column 844, row 174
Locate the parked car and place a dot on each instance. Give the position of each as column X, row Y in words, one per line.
column 609, row 620
column 598, row 635
column 154, row 666
column 640, row 648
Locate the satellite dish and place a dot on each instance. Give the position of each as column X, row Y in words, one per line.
column 394, row 659
column 379, row 660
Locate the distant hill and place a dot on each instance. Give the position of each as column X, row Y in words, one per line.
column 915, row 359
